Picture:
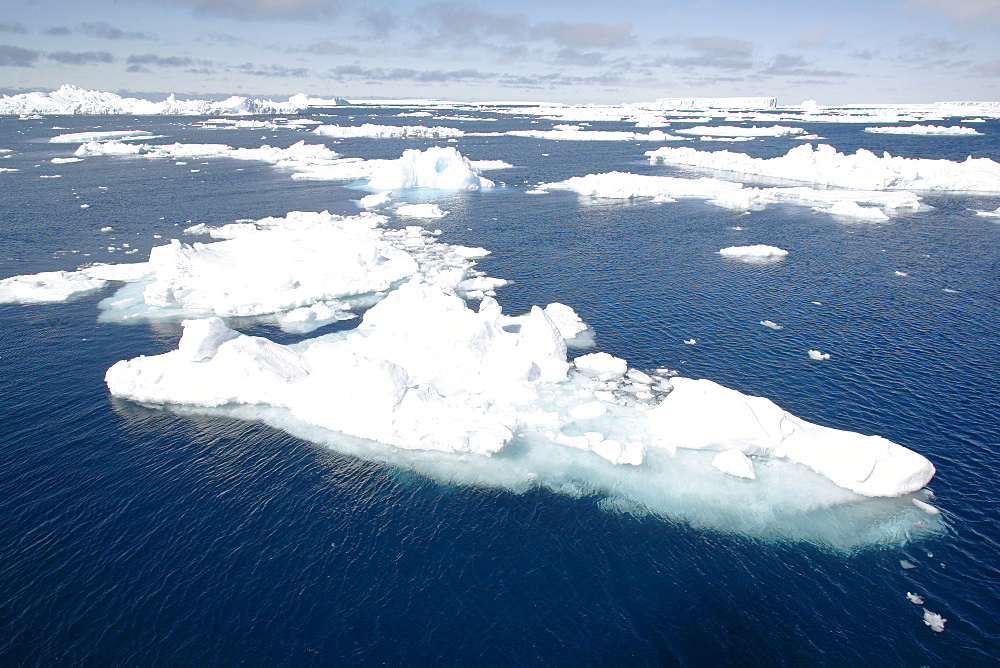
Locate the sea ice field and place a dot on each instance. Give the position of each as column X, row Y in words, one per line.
column 319, row 382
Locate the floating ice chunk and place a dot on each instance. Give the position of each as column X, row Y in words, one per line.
column 602, row 365
column 756, row 254
column 954, row 130
column 731, row 131
column 47, row 287
column 906, row 565
column 81, row 137
column 576, row 133
column 991, row 214
column 566, row 320
column 371, row 131
column 863, row 170
column 588, row 411
column 914, row 598
column 867, row 465
column 735, row 463
column 926, row 507
column 375, row 200
column 438, row 167
column 63, row 161
column 900, row 273
column 621, row 185
column 848, row 209
column 771, row 325
column 202, row 339
column 934, row 620
column 690, row 342
column 818, row 356
column 423, row 210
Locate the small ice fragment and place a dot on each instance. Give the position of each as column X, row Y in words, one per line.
column 906, row 564
column 930, row 555
column 690, row 342
column 84, row 206
column 950, row 291
column 914, row 598
column 771, row 325
column 818, row 356
column 107, row 229
column 934, row 620
column 900, row 273
column 817, row 303
column 926, row 507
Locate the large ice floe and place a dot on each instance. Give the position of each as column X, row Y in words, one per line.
column 301, row 271
column 73, row 100
column 479, row 397
column 736, row 131
column 437, row 167
column 867, row 205
column 953, row 130
column 863, row 170
column 371, row 131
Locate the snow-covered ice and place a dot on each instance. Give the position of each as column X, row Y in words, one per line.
column 736, row 131
column 755, row 254
column 100, row 135
column 70, row 99
column 47, row 287
column 940, row 130
column 771, row 325
column 371, row 131
column 861, row 204
column 818, row 356
column 863, row 170
column 735, row 463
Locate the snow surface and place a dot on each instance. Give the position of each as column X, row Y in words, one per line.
column 425, row 372
column 954, row 130
column 73, row 100
column 863, row 170
column 863, row 205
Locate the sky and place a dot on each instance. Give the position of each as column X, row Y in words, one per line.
column 572, row 51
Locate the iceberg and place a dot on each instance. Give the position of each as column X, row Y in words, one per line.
column 442, row 168
column 859, row 204
column 424, row 372
column 70, row 99
column 864, row 170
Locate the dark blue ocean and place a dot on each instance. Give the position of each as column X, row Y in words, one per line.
column 136, row 536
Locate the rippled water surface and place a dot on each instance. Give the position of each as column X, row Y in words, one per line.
column 130, row 535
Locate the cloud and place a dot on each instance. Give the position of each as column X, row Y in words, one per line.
column 277, row 71
column 786, row 65
column 615, row 35
column 924, row 44
column 107, row 31
column 815, row 37
column 713, row 51
column 57, row 31
column 864, row 54
column 13, row 26
column 376, row 23
column 580, row 58
column 963, row 10
column 15, row 56
column 990, row 68
column 161, row 61
column 81, row 58
column 459, row 23
column 254, row 10
column 328, row 48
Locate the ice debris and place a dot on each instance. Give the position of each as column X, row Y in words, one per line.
column 934, row 620
column 818, row 356
column 914, row 598
column 756, row 254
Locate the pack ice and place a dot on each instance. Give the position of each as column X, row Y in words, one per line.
column 425, row 372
